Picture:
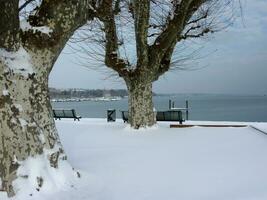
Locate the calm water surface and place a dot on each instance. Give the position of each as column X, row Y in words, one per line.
column 201, row 107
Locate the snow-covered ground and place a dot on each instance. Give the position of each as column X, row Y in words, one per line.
column 117, row 163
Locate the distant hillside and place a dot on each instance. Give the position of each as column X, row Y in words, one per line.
column 85, row 93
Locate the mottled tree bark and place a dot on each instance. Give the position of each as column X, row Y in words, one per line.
column 140, row 103
column 27, row 127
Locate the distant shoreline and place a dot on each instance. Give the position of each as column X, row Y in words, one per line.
column 115, row 98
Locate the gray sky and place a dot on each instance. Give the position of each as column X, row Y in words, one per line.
column 234, row 62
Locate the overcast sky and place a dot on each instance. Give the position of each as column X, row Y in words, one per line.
column 234, row 62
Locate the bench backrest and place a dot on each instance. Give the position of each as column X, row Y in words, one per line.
column 170, row 115
column 64, row 113
column 160, row 116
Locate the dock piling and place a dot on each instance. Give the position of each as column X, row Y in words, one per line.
column 186, row 105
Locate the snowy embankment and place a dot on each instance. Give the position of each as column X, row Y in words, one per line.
column 160, row 163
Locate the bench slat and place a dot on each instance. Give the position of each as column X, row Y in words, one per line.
column 61, row 113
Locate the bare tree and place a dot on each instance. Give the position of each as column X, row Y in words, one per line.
column 28, row 51
column 154, row 28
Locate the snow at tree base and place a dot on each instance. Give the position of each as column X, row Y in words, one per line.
column 117, row 163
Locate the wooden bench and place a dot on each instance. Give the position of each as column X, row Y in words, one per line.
column 169, row 115
column 58, row 114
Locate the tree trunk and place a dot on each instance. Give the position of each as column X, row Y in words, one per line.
column 27, row 128
column 140, row 103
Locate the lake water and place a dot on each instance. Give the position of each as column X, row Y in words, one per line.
column 201, row 107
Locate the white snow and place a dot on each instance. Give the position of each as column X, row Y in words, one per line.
column 158, row 163
column 42, row 138
column 18, row 62
column 53, row 179
column 25, row 26
column 19, row 107
column 15, row 159
column 13, row 120
column 5, row 92
column 23, row 122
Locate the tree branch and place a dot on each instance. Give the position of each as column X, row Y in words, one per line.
column 9, row 37
column 141, row 23
column 167, row 40
column 25, row 4
column 62, row 17
column 174, row 26
column 117, row 7
column 202, row 33
column 112, row 60
column 165, row 63
column 199, row 19
column 191, row 29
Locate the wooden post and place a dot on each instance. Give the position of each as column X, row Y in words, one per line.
column 170, row 104
column 186, row 105
column 173, row 104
